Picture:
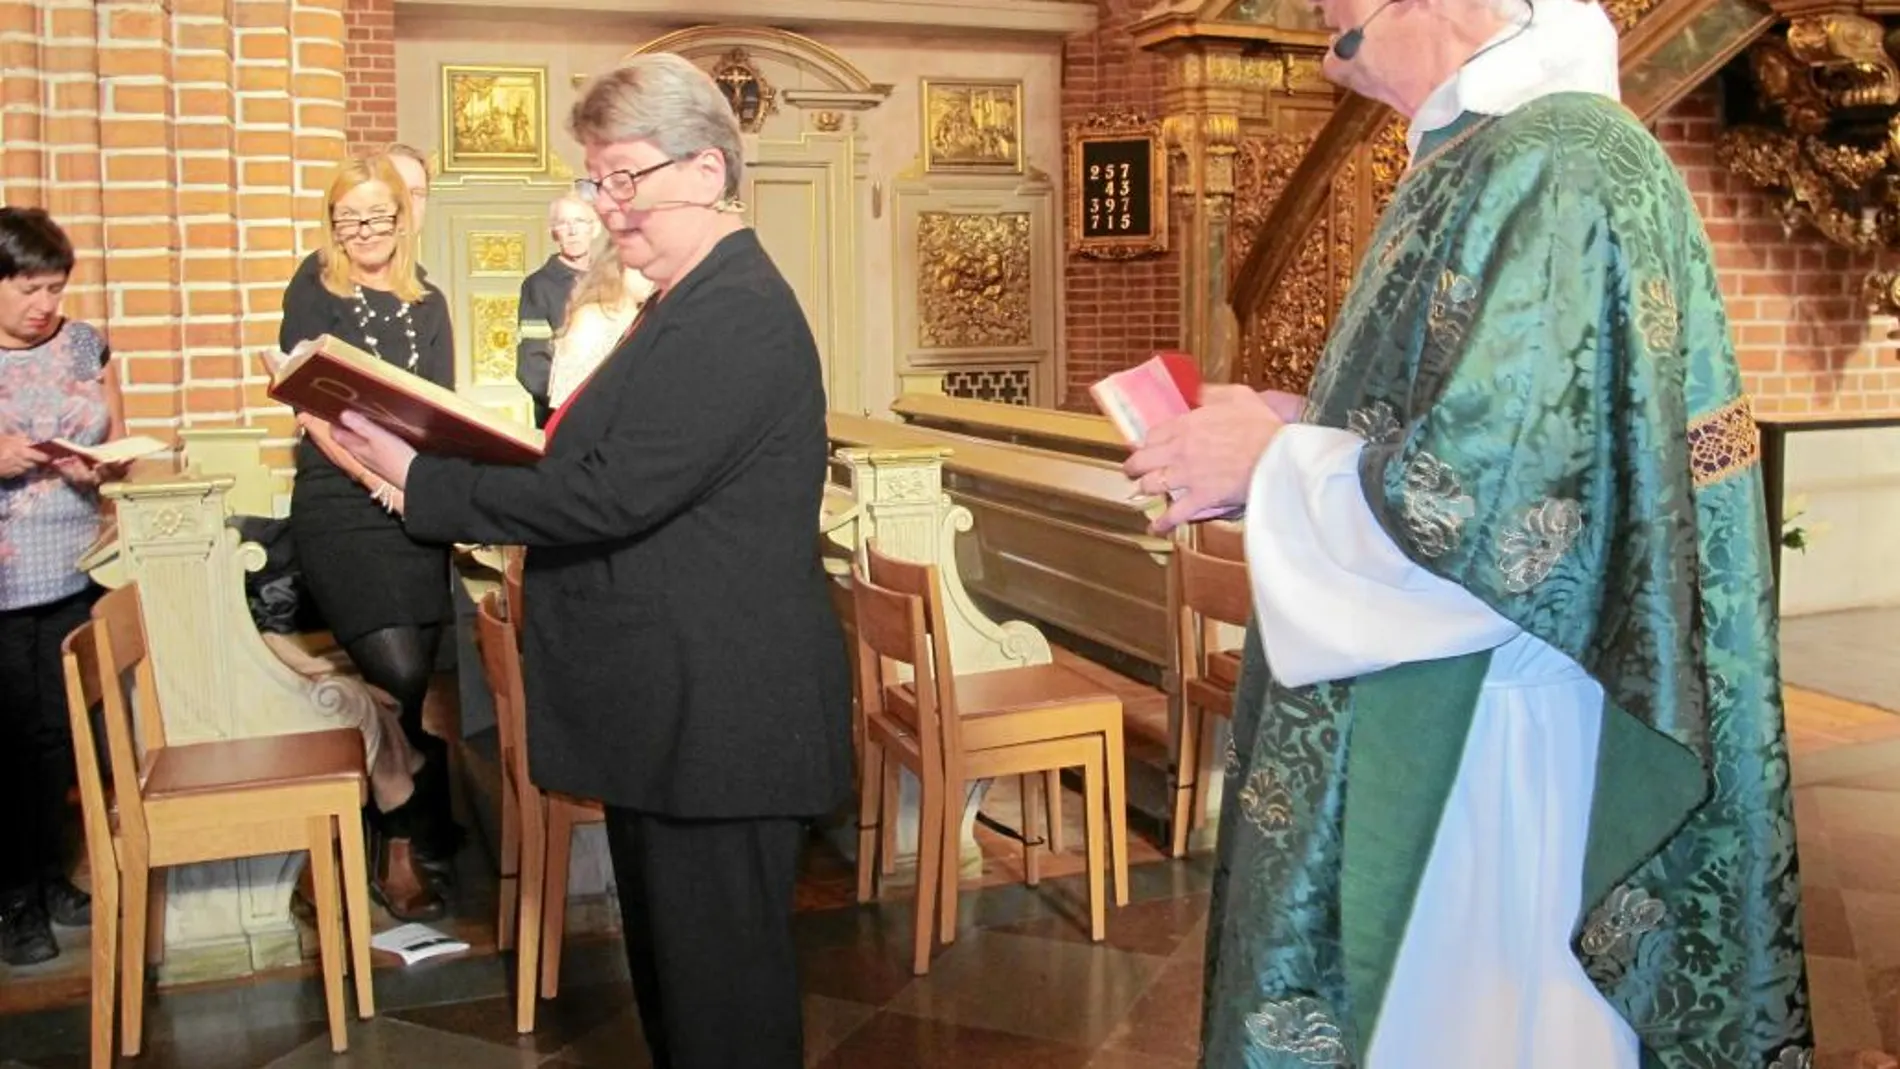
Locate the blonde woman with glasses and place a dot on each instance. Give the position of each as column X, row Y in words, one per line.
column 384, row 595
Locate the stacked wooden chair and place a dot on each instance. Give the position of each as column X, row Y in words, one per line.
column 949, row 729
column 537, row 827
column 210, row 801
column 1207, row 588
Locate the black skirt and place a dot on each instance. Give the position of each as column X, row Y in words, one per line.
column 359, row 566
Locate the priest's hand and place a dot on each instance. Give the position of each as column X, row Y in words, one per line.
column 380, row 451
column 1206, row 457
column 1290, row 407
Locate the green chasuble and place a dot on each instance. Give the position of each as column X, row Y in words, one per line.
column 1536, row 352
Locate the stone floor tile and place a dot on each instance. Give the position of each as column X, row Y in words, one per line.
column 895, row 1039
column 1158, row 926
column 1072, row 993
column 386, row 1043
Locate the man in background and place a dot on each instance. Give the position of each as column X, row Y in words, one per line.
column 544, row 296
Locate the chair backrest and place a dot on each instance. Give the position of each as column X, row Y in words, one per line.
column 135, row 730
column 500, row 647
column 79, row 660
column 513, row 560
column 1207, row 591
column 921, row 581
column 891, row 632
column 1221, row 538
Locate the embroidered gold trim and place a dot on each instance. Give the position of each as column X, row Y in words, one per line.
column 1455, row 140
column 1723, row 443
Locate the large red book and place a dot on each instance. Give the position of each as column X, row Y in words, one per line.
column 326, row 377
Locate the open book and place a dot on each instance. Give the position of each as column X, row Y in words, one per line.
column 117, row 451
column 326, row 377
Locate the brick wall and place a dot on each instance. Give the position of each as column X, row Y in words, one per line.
column 370, row 47
column 1117, row 311
column 1802, row 332
column 191, row 138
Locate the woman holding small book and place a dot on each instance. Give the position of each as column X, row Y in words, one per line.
column 384, row 595
column 684, row 664
column 53, row 384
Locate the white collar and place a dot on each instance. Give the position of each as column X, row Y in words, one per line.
column 1569, row 47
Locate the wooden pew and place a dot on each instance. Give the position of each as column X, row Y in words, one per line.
column 1077, row 433
column 216, row 679
column 1059, row 538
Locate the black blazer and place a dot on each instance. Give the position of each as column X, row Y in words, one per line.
column 681, row 653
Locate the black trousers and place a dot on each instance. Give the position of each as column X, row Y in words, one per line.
column 706, row 910
column 36, row 738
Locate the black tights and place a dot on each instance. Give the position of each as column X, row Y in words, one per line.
column 401, row 661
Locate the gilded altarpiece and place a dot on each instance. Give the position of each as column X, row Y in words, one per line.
column 976, row 282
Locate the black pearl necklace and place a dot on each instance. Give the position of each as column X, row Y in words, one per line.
column 365, row 315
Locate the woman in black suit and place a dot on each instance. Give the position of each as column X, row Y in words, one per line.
column 383, row 594
column 684, row 664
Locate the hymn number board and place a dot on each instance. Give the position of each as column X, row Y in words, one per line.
column 1118, row 186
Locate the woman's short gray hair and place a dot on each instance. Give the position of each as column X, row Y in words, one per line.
column 664, row 99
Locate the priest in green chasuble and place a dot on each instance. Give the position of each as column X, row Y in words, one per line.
column 1509, row 779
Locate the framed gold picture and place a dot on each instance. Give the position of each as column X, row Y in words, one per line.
column 973, row 126
column 494, row 119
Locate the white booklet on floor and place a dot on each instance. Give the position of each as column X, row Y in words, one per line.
column 416, row 942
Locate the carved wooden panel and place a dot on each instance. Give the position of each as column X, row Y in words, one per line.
column 1005, row 385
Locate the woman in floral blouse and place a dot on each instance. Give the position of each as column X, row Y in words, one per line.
column 52, row 385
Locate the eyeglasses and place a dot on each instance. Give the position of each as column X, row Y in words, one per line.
column 620, row 185
column 374, row 226
column 573, row 224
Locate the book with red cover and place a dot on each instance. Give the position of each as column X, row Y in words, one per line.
column 1166, row 385
column 1149, row 394
column 326, row 377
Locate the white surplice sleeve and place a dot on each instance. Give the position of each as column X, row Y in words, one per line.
column 1335, row 597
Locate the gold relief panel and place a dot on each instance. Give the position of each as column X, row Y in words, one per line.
column 494, row 337
column 973, row 126
column 497, row 252
column 494, row 119
column 973, row 281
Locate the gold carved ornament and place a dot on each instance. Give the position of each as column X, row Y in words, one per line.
column 1282, row 344
column 495, row 337
column 753, row 99
column 1825, row 136
column 974, row 282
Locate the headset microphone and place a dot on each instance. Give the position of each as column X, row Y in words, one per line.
column 1348, row 44
column 641, row 203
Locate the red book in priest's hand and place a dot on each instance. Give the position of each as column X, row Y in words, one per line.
column 327, row 377
column 1143, row 397
column 1149, row 394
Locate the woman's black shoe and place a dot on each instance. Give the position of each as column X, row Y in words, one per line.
column 26, row 936
column 66, row 904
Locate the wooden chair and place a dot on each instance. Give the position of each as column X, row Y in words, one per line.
column 1221, row 538
column 545, row 822
column 509, row 863
column 1205, row 591
column 210, row 801
column 949, row 729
